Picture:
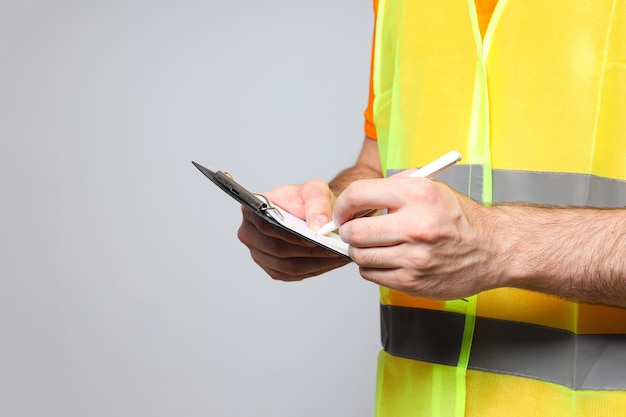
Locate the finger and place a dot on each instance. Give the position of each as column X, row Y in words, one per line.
column 381, row 276
column 416, row 285
column 287, row 197
column 258, row 229
column 389, row 268
column 295, row 269
column 318, row 201
column 375, row 194
column 391, row 229
column 369, row 232
column 265, row 237
column 390, row 257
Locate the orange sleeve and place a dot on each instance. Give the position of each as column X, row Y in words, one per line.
column 370, row 127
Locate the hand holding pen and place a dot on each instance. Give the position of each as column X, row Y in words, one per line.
column 427, row 171
column 433, row 242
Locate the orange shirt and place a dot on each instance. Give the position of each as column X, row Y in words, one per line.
column 484, row 9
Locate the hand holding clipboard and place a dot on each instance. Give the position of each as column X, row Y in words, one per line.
column 262, row 207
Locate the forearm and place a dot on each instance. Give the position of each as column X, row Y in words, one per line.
column 367, row 166
column 573, row 253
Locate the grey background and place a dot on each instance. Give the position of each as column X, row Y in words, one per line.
column 123, row 288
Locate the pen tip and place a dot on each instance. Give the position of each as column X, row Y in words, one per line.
column 326, row 229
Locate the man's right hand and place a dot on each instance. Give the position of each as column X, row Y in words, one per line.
column 282, row 255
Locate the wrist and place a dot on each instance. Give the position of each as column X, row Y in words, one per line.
column 513, row 240
column 534, row 246
column 501, row 241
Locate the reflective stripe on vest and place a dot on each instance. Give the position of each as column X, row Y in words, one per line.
column 579, row 362
column 551, row 188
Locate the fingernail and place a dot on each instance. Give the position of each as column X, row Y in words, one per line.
column 318, row 222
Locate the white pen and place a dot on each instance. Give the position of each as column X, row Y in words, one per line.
column 429, row 170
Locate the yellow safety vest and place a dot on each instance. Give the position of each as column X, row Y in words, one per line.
column 538, row 110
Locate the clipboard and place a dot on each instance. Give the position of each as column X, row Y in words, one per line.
column 262, row 207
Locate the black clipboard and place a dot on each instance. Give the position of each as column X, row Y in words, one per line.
column 262, row 207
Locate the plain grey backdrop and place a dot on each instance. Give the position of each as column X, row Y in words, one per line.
column 123, row 288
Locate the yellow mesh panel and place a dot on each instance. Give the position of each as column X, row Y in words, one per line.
column 557, row 77
column 405, row 390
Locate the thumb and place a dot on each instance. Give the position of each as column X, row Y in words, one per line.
column 318, row 203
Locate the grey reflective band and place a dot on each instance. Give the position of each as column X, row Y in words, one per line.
column 466, row 179
column 554, row 188
column 579, row 362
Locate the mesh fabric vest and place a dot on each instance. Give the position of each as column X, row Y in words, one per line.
column 538, row 110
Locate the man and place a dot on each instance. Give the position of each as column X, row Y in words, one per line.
column 503, row 284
